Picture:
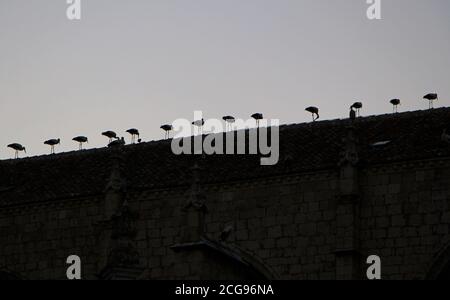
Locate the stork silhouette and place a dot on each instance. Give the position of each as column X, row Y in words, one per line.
column 80, row 140
column 229, row 121
column 314, row 111
column 431, row 97
column 357, row 106
column 258, row 117
column 17, row 148
column 110, row 134
column 199, row 124
column 395, row 103
column 167, row 129
column 134, row 133
column 52, row 143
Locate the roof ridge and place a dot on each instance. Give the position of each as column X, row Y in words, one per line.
column 322, row 123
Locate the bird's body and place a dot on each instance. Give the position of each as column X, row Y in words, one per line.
column 357, row 106
column 52, row 143
column 17, row 148
column 81, row 140
column 229, row 120
column 314, row 111
column 395, row 103
column 167, row 129
column 258, row 117
column 134, row 133
column 118, row 142
column 199, row 124
column 110, row 134
column 431, row 97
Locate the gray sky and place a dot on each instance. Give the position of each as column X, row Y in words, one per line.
column 143, row 63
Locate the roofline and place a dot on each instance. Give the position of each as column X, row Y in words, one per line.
column 281, row 127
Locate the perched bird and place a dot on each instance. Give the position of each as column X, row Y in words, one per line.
column 431, row 97
column 258, row 117
column 199, row 124
column 110, row 134
column 52, row 143
column 229, row 120
column 17, row 147
column 81, row 140
column 445, row 137
column 395, row 103
column 357, row 106
column 314, row 111
column 134, row 133
column 167, row 129
column 118, row 142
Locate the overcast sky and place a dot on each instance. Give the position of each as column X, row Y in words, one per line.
column 143, row 63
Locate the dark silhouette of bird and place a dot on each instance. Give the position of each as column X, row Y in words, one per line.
column 357, row 106
column 445, row 137
column 352, row 114
column 199, row 124
column 167, row 129
column 229, row 121
column 111, row 135
column 314, row 111
column 52, row 143
column 395, row 103
column 226, row 232
column 80, row 140
column 134, row 133
column 17, row 147
column 431, row 97
column 258, row 117
column 118, row 142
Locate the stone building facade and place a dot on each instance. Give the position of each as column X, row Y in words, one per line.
column 342, row 190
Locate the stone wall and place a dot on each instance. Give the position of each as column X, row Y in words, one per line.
column 287, row 227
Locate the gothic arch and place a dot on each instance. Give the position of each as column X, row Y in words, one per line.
column 247, row 262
